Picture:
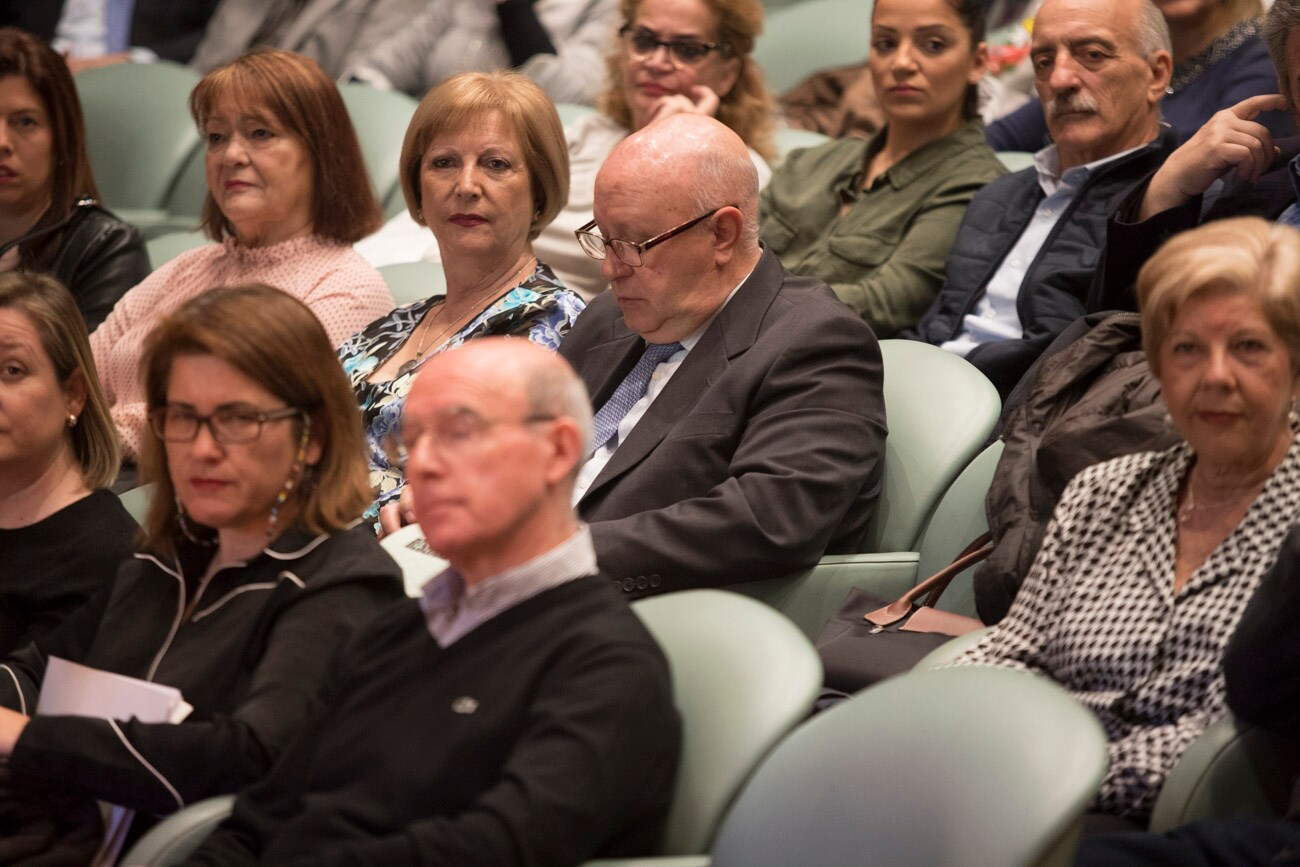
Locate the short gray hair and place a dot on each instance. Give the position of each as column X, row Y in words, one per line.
column 1282, row 18
column 1152, row 30
column 725, row 179
column 554, row 389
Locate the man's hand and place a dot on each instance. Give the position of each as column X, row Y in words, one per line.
column 702, row 100
column 1231, row 141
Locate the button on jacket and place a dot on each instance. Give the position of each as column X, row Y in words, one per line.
column 249, row 648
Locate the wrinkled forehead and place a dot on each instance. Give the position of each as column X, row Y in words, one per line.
column 1072, row 23
column 486, row 384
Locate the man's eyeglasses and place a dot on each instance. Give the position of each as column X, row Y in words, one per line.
column 642, row 44
column 452, row 431
column 630, row 252
column 229, row 425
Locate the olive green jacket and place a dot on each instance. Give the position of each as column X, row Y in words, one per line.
column 885, row 257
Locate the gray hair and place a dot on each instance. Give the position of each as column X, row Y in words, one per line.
column 1152, row 30
column 725, row 179
column 554, row 389
column 1282, row 18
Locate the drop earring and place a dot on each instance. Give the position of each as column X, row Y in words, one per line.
column 72, row 420
column 296, row 473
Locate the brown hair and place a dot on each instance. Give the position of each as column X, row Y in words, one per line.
column 1240, row 256
column 528, row 112
column 275, row 340
column 294, row 91
column 62, row 331
column 747, row 108
column 45, row 70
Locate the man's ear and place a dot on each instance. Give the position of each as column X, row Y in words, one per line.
column 728, row 226
column 566, row 450
column 1162, row 69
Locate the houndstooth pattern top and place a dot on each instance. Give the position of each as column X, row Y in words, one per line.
column 1098, row 614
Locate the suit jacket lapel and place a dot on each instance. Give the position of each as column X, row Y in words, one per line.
column 733, row 331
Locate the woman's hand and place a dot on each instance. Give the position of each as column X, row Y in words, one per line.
column 395, row 516
column 700, row 100
column 12, row 724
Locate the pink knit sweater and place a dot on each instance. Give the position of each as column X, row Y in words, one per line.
column 343, row 291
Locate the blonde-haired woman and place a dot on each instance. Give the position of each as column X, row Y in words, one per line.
column 62, row 534
column 1150, row 559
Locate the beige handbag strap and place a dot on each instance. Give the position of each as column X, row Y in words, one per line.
column 932, row 588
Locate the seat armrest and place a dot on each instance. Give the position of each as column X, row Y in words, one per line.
column 666, row 861
column 949, row 651
column 812, row 597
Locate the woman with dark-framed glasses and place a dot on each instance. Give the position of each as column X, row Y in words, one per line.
column 252, row 568
column 671, row 56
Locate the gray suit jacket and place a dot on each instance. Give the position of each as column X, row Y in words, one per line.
column 761, row 453
column 334, row 33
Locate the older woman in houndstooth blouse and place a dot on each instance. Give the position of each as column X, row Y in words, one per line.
column 1150, row 559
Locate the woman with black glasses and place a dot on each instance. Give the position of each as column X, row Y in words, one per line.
column 251, row 570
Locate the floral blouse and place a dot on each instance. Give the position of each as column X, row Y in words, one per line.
column 539, row 307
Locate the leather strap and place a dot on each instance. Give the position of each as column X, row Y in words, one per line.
column 932, row 588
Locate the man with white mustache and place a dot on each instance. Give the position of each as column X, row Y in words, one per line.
column 1023, row 260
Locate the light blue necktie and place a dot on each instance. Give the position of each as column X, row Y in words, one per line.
column 117, row 20
column 604, row 426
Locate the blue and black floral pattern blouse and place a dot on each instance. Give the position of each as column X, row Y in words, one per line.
column 539, row 308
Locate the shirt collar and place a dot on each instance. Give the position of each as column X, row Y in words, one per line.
column 1047, row 162
column 453, row 610
column 688, row 342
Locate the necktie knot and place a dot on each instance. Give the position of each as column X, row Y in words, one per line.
column 604, row 425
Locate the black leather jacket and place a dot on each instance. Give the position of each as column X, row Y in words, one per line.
column 97, row 256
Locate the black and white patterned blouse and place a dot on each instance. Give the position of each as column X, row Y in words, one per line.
column 1098, row 614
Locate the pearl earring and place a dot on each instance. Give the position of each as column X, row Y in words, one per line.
column 72, row 420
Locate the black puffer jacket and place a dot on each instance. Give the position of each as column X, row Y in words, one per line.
column 1056, row 285
column 96, row 255
column 1091, row 398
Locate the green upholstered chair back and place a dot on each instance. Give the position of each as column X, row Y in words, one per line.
column 138, row 129
column 943, row 769
column 163, row 248
column 137, row 501
column 743, row 676
column 806, row 37
column 414, row 281
column 940, row 412
column 172, row 840
column 380, row 118
column 957, row 521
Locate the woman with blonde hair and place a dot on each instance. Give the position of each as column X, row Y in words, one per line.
column 1150, row 558
column 252, row 568
column 62, row 534
column 671, row 56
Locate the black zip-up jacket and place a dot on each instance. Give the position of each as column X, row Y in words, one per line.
column 249, row 649
column 96, row 255
column 1055, row 289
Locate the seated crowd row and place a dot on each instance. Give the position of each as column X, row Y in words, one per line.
column 733, row 400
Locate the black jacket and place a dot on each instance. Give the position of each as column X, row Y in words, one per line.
column 1055, row 288
column 96, row 255
column 170, row 28
column 248, row 648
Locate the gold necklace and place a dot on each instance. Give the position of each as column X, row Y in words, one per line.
column 407, row 366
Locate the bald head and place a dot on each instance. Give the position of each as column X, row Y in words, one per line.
column 689, row 158
column 495, row 432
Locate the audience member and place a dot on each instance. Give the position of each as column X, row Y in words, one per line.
column 875, row 219
column 484, row 166
column 62, row 536
column 49, row 219
column 252, row 566
column 572, row 745
column 334, row 33
column 738, row 402
column 673, row 56
column 287, row 193
column 1260, row 673
column 101, row 32
column 1023, row 259
column 1232, row 167
column 1219, row 60
column 1151, row 558
column 560, row 44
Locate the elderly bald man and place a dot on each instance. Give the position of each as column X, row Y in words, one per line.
column 739, row 421
column 518, row 713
